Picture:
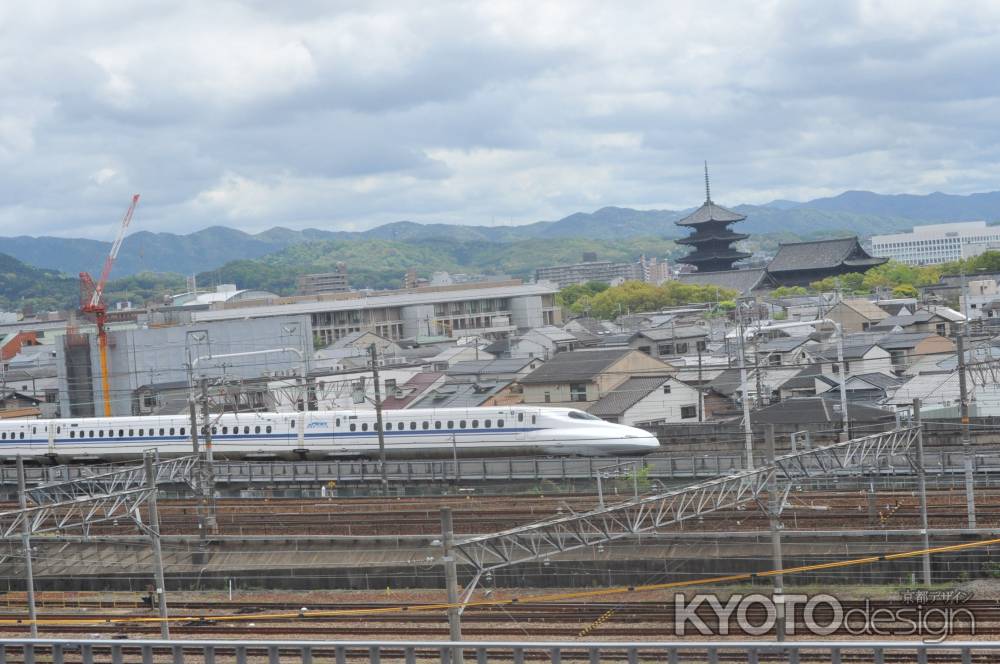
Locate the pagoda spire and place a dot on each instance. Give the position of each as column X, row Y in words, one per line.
column 712, row 240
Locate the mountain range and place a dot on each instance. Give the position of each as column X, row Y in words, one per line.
column 854, row 212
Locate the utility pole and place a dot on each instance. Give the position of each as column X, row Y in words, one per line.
column 747, row 428
column 970, row 488
column 29, row 575
column 774, row 517
column 207, row 461
column 154, row 537
column 701, row 394
column 451, row 582
column 922, row 489
column 373, row 352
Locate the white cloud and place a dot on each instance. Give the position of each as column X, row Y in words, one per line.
column 256, row 114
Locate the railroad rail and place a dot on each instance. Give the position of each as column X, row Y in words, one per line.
column 382, row 651
column 665, row 468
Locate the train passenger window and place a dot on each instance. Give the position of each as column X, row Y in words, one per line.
column 475, row 424
column 214, row 430
column 246, row 429
column 91, row 434
column 152, row 432
column 461, row 424
column 293, row 423
column 34, row 429
column 142, row 432
column 338, row 421
column 500, row 424
column 58, row 429
column 131, row 432
column 437, row 424
column 72, row 434
column 354, row 426
column 488, row 423
column 426, row 425
column 451, row 424
column 171, row 431
column 401, row 426
column 520, row 417
column 364, row 426
column 225, row 430
column 3, row 436
column 182, row 431
column 22, row 435
column 256, row 429
column 121, row 433
column 268, row 429
column 162, row 432
column 413, row 425
column 533, row 419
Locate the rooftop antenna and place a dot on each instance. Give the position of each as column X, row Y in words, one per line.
column 708, row 191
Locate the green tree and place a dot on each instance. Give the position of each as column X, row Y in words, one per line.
column 789, row 291
column 572, row 294
column 637, row 296
column 905, row 290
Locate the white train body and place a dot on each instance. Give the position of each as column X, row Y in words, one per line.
column 418, row 433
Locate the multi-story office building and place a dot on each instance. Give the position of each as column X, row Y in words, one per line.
column 489, row 310
column 325, row 282
column 935, row 243
column 581, row 273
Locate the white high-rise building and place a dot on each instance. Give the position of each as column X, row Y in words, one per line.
column 935, row 243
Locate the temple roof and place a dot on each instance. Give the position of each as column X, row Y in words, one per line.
column 742, row 281
column 709, row 212
column 822, row 254
column 708, row 236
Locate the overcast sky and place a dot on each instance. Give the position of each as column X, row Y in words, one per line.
column 344, row 115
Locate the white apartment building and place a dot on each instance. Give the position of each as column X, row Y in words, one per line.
column 935, row 243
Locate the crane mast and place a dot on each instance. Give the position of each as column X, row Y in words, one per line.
column 92, row 302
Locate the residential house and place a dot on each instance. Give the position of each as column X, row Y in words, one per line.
column 406, row 393
column 469, row 394
column 869, row 388
column 939, row 321
column 543, row 342
column 671, row 340
column 856, row 315
column 808, row 382
column 800, row 307
column 786, row 351
column 578, row 378
column 860, row 356
column 907, row 349
column 933, row 389
column 648, row 400
column 504, row 368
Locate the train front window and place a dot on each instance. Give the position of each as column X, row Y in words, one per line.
column 577, row 415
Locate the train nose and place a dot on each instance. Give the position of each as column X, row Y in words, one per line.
column 642, row 437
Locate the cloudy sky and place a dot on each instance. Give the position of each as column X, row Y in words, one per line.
column 343, row 115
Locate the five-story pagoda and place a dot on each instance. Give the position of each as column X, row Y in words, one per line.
column 712, row 238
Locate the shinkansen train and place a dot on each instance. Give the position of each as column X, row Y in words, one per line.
column 418, row 433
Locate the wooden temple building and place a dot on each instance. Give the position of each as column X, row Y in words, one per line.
column 796, row 263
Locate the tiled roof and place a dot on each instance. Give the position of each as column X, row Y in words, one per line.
column 709, row 211
column 782, row 345
column 487, row 367
column 806, row 410
column 901, row 340
column 578, row 365
column 461, row 395
column 741, row 281
column 866, row 308
column 673, row 332
column 881, row 380
column 626, row 395
column 821, row 255
column 806, row 379
column 412, row 389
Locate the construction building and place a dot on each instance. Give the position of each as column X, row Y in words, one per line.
column 487, row 310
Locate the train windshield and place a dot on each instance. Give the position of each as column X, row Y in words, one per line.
column 578, row 415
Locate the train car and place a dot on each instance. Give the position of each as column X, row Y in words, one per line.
column 413, row 434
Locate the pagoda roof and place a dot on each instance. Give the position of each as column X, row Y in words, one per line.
column 699, row 255
column 710, row 212
column 822, row 254
column 709, row 236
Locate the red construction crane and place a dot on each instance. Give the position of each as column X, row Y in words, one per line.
column 92, row 302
